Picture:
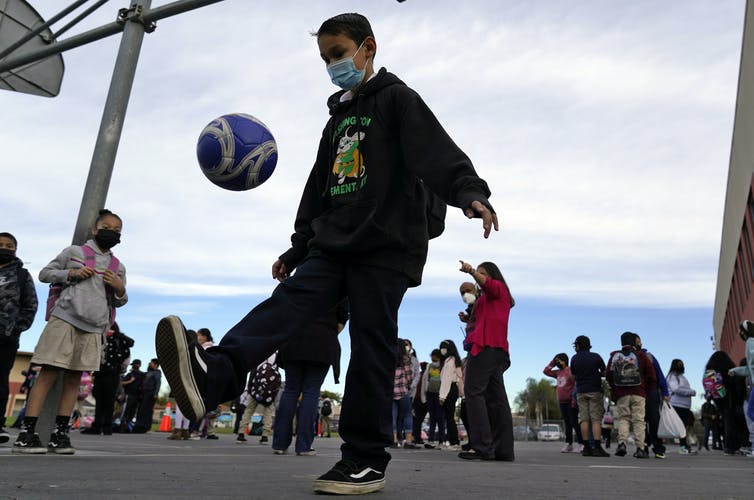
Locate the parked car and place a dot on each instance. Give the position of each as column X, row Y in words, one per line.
column 549, row 432
column 524, row 433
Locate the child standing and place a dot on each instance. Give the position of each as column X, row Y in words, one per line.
column 362, row 232
column 566, row 383
column 431, row 395
column 71, row 341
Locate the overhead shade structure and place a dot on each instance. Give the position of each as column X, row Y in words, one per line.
column 17, row 20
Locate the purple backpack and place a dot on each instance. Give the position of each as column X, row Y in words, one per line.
column 89, row 257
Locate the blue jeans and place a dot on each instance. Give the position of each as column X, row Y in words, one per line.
column 304, row 378
column 402, row 419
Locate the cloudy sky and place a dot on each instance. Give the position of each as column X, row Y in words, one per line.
column 603, row 130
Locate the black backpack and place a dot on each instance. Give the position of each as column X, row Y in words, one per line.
column 326, row 408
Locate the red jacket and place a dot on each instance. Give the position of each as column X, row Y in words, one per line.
column 646, row 371
column 491, row 312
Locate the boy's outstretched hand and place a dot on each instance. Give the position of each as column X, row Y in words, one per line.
column 489, row 218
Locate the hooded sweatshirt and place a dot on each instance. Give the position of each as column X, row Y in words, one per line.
column 84, row 303
column 18, row 301
column 366, row 199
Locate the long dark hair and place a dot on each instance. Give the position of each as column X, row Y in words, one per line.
column 452, row 351
column 400, row 353
column 675, row 367
column 720, row 362
column 495, row 274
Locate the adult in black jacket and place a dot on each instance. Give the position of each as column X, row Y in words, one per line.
column 306, row 360
column 362, row 229
column 18, row 305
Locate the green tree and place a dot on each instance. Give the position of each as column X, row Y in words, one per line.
column 538, row 391
column 334, row 396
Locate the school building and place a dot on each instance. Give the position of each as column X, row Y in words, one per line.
column 15, row 398
column 734, row 297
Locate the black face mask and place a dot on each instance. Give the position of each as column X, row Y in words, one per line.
column 107, row 238
column 6, row 256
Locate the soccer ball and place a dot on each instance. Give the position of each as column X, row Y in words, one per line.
column 237, row 152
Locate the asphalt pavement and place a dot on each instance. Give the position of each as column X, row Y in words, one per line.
column 148, row 466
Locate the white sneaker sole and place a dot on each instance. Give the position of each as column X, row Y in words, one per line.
column 343, row 488
column 173, row 353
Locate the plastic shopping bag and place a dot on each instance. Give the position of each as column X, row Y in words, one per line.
column 671, row 425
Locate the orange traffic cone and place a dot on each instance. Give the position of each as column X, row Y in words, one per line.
column 165, row 424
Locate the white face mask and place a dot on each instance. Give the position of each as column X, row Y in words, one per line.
column 408, row 350
column 469, row 298
column 443, row 351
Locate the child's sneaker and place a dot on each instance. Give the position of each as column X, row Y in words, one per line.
column 4, row 436
column 29, row 443
column 641, row 453
column 350, row 478
column 685, row 451
column 60, row 444
column 598, row 451
column 264, row 440
column 621, row 451
column 307, row 453
column 567, row 449
column 184, row 363
column 241, row 439
column 578, row 449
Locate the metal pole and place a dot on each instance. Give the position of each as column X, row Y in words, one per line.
column 95, row 34
column 111, row 126
column 174, row 8
column 79, row 18
column 42, row 27
column 148, row 16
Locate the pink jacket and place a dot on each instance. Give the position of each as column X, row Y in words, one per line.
column 565, row 381
column 491, row 311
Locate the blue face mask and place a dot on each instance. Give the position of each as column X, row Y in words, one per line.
column 344, row 74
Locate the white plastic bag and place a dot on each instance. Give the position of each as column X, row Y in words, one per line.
column 671, row 425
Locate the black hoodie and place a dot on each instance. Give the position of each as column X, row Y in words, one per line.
column 18, row 302
column 364, row 200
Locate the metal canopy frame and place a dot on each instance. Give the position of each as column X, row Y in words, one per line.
column 133, row 22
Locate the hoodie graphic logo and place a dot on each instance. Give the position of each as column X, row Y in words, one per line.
column 349, row 162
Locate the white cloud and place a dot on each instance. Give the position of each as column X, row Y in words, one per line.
column 603, row 133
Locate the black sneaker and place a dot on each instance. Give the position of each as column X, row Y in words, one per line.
column 621, row 451
column 184, row 363
column 597, row 451
column 4, row 436
column 640, row 453
column 60, row 444
column 29, row 443
column 241, row 439
column 263, row 440
column 349, row 478
column 587, row 451
column 212, row 436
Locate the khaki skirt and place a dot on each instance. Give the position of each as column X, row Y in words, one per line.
column 64, row 346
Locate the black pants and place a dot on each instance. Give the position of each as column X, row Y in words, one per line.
column 491, row 431
column 319, row 284
column 239, row 416
column 132, row 404
column 652, row 417
column 419, row 414
column 145, row 413
column 8, row 351
column 449, row 410
column 571, row 420
column 103, row 389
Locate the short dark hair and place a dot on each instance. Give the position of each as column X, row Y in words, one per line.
column 106, row 213
column 155, row 361
column 206, row 333
column 628, row 338
column 562, row 357
column 11, row 237
column 353, row 25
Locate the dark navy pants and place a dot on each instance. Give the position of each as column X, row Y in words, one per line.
column 318, row 285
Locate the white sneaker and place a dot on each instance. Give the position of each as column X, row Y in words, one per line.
column 568, row 448
column 579, row 449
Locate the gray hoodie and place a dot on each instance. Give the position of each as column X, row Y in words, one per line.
column 83, row 304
